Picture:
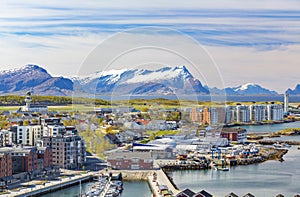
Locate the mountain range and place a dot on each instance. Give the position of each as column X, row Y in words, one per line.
column 164, row 81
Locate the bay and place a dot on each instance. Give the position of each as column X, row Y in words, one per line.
column 266, row 179
column 271, row 127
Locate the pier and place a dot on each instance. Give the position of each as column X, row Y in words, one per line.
column 48, row 187
column 160, row 184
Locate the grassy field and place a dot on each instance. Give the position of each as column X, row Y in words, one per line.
column 56, row 108
column 139, row 104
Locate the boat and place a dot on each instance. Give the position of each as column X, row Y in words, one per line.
column 277, row 145
column 223, row 169
column 285, row 145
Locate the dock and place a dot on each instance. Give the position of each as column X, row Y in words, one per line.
column 160, row 184
column 37, row 190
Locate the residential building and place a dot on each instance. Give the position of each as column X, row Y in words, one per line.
column 258, row 113
column 67, row 151
column 274, row 112
column 45, row 155
column 242, row 113
column 130, row 160
column 6, row 138
column 194, row 115
column 24, row 159
column 28, row 135
column 230, row 114
column 201, row 116
column 5, row 165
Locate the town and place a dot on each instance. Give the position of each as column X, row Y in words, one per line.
column 38, row 144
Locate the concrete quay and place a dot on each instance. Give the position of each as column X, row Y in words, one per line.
column 51, row 186
column 158, row 179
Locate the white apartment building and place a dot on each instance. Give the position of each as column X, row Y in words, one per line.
column 54, row 130
column 258, row 113
column 275, row 112
column 214, row 116
column 242, row 113
column 6, row 138
column 28, row 135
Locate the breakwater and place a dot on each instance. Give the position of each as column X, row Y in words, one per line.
column 133, row 175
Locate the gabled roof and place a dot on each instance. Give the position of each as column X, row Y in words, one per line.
column 248, row 195
column 231, row 194
column 204, row 194
column 186, row 192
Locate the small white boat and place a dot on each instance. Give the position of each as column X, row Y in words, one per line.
column 223, row 169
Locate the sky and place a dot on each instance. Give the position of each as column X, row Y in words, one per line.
column 223, row 42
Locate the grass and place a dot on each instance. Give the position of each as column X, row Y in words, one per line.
column 161, row 133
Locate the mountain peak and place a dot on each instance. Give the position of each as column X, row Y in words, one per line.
column 295, row 91
column 247, row 85
column 28, row 67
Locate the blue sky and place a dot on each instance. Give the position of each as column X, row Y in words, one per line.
column 249, row 41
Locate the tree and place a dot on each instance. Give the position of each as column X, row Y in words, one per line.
column 152, row 136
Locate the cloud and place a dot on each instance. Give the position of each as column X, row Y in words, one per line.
column 60, row 34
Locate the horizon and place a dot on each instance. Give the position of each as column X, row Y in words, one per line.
column 254, row 42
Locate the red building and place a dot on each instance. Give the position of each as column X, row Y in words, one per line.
column 234, row 134
column 24, row 159
column 45, row 153
column 131, row 161
column 5, row 165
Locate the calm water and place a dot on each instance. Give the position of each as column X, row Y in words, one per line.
column 272, row 127
column 267, row 179
column 131, row 189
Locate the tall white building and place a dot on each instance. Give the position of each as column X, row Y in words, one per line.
column 258, row 113
column 214, row 116
column 28, row 135
column 274, row 112
column 242, row 113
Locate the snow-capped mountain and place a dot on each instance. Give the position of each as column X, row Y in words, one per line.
column 246, row 89
column 166, row 81
column 34, row 78
column 296, row 91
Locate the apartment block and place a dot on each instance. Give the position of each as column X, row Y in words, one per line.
column 27, row 135
column 67, row 151
column 5, row 165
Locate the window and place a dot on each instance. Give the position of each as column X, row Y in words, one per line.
column 135, row 167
